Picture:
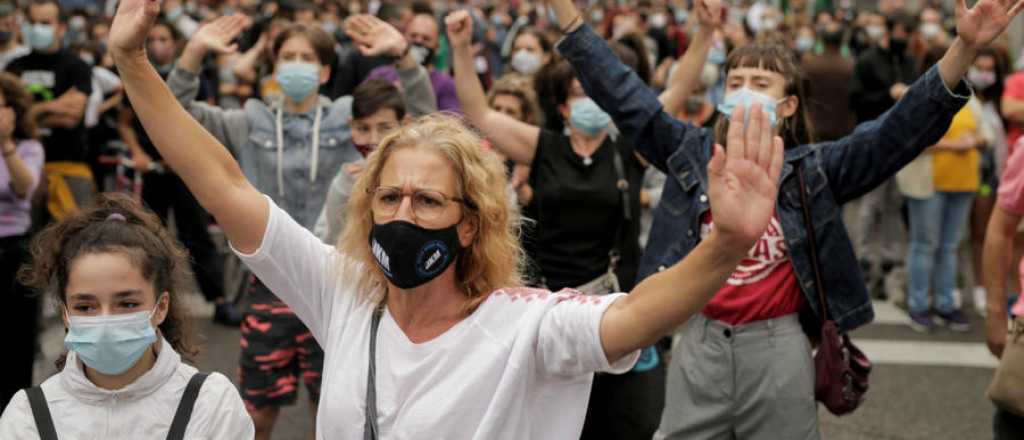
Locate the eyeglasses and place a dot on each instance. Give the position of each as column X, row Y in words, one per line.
column 426, row 205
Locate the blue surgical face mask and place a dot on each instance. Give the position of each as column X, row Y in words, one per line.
column 39, row 36
column 110, row 344
column 588, row 118
column 747, row 98
column 298, row 79
column 716, row 55
column 804, row 43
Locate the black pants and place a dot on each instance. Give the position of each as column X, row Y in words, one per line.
column 161, row 192
column 1007, row 426
column 625, row 406
column 20, row 322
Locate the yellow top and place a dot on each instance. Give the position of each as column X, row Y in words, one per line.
column 958, row 171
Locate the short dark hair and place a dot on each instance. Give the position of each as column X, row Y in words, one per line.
column 375, row 95
column 391, row 11
column 322, row 42
column 422, row 7
column 62, row 16
column 175, row 33
column 900, row 17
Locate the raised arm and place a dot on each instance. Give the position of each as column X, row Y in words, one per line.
column 686, row 77
column 617, row 89
column 245, row 66
column 878, row 149
column 205, row 166
column 375, row 37
column 513, row 138
column 743, row 185
column 230, row 127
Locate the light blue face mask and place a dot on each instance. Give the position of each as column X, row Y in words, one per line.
column 588, row 118
column 747, row 98
column 716, row 55
column 110, row 344
column 298, row 79
column 39, row 36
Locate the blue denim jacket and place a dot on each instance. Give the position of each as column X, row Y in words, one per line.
column 834, row 172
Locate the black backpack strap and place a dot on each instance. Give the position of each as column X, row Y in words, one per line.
column 188, row 401
column 41, row 412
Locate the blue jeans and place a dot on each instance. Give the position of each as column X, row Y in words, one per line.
column 936, row 226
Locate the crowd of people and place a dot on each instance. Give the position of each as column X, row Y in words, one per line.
column 441, row 205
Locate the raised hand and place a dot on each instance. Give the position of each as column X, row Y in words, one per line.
column 710, row 13
column 217, row 35
column 131, row 26
column 743, row 179
column 374, row 36
column 981, row 24
column 460, row 28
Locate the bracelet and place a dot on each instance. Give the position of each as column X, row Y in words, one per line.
column 579, row 17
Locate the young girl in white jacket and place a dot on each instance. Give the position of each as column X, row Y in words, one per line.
column 116, row 274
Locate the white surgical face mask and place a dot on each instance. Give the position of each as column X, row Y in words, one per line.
column 525, row 62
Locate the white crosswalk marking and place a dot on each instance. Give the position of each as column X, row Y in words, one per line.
column 950, row 354
column 917, row 352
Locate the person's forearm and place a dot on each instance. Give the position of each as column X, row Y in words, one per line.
column 468, row 87
column 687, row 75
column 245, row 67
column 22, row 180
column 954, row 64
column 191, row 59
column 567, row 14
column 666, row 300
column 997, row 258
column 127, row 133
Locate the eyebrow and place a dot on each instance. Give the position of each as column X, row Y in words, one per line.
column 91, row 297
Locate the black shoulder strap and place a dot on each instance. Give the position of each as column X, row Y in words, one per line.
column 370, row 424
column 41, row 412
column 188, row 401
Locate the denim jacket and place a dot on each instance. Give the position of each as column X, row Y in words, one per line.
column 834, row 172
column 250, row 134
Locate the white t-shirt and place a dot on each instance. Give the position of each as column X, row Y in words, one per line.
column 519, row 367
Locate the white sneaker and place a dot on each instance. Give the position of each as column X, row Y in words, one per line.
column 980, row 298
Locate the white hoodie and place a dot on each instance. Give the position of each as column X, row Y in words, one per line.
column 140, row 411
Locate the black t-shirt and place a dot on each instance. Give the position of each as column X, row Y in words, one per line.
column 579, row 209
column 48, row 76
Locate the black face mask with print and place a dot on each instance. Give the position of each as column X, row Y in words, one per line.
column 410, row 255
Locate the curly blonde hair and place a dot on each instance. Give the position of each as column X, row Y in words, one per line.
column 493, row 260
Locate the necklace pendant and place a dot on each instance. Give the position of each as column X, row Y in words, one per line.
column 587, row 161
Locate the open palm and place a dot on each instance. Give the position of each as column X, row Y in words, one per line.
column 981, row 24
column 131, row 26
column 743, row 180
column 374, row 36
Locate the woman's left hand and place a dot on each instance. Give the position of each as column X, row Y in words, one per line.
column 981, row 24
column 743, row 179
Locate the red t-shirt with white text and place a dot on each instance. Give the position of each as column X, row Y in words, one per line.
column 763, row 286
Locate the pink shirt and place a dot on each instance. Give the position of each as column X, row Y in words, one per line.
column 1011, row 199
column 1014, row 89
